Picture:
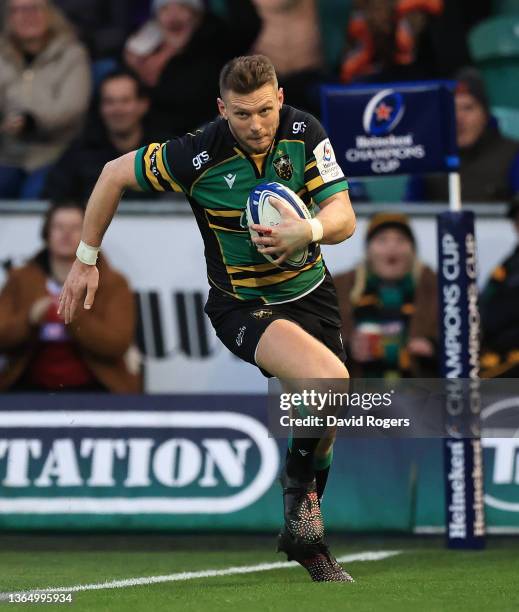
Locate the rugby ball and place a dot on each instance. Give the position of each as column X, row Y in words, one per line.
column 260, row 210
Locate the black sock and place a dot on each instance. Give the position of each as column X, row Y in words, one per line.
column 322, row 469
column 300, row 459
column 321, row 477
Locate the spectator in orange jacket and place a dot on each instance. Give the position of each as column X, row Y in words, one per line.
column 95, row 353
column 383, row 37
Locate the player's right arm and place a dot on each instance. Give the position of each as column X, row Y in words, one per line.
column 148, row 169
column 117, row 175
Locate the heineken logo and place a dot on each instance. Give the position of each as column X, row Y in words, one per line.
column 126, row 462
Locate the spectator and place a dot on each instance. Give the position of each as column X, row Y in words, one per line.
column 122, row 106
column 291, row 38
column 180, row 53
column 489, row 162
column 44, row 92
column 389, row 305
column 500, row 314
column 91, row 354
column 384, row 38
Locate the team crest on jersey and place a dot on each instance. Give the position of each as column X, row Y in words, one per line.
column 283, row 167
column 264, row 313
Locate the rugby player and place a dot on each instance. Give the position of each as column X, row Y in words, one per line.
column 284, row 321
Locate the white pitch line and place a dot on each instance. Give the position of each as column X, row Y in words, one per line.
column 211, row 573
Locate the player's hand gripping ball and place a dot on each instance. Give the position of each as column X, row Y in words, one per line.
column 260, row 211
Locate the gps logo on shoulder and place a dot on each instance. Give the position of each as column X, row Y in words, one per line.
column 383, row 112
column 200, row 159
column 298, row 127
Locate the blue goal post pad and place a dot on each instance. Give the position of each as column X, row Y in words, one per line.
column 392, row 128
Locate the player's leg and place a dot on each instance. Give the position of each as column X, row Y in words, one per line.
column 323, row 457
column 279, row 352
column 287, row 351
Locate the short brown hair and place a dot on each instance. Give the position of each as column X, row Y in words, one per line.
column 247, row 73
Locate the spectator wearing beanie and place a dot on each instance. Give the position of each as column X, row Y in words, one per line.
column 389, row 305
column 489, row 162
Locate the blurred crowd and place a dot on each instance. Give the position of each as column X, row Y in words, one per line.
column 84, row 81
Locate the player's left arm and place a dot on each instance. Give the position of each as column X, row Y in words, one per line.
column 337, row 218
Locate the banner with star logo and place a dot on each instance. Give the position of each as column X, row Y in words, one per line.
column 406, row 128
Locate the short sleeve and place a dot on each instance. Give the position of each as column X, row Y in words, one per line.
column 171, row 166
column 152, row 170
column 323, row 175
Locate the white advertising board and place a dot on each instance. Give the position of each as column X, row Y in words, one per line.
column 162, row 257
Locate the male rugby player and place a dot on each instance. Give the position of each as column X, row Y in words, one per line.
column 284, row 321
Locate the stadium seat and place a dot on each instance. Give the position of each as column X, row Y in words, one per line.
column 386, row 189
column 508, row 120
column 101, row 68
column 219, row 7
column 494, row 46
column 334, row 16
column 505, row 7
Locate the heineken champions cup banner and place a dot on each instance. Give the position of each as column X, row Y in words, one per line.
column 404, row 128
column 459, row 358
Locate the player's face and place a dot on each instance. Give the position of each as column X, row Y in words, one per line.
column 65, row 232
column 471, row 119
column 121, row 107
column 253, row 118
column 390, row 254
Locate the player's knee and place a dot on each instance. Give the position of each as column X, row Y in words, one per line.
column 337, row 369
column 327, row 365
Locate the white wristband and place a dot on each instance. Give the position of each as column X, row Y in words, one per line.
column 87, row 254
column 317, row 229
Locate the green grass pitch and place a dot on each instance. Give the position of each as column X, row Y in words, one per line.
column 423, row 577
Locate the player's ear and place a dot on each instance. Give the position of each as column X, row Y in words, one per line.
column 281, row 97
column 221, row 108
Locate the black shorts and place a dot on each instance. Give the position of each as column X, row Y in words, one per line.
column 240, row 325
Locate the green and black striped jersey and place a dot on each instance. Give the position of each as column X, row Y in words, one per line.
column 217, row 177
